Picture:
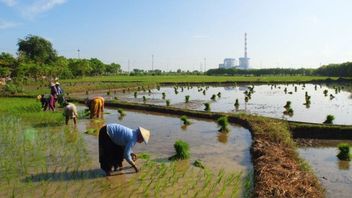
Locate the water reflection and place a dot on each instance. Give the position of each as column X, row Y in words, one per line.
column 267, row 100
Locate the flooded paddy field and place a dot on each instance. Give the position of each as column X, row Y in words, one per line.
column 334, row 174
column 56, row 160
column 267, row 100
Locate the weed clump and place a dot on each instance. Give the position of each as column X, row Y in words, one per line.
column 329, row 119
column 344, row 153
column 182, row 151
column 223, row 123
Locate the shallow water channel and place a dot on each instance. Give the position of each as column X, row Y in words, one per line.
column 267, row 100
column 335, row 175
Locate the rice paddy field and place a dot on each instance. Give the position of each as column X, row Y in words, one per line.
column 42, row 157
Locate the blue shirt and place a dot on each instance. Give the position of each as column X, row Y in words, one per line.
column 123, row 136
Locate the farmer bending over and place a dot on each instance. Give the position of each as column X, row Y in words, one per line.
column 96, row 107
column 116, row 142
column 70, row 111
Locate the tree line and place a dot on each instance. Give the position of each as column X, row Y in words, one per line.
column 36, row 58
column 333, row 70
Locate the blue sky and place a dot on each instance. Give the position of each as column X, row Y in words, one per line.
column 181, row 33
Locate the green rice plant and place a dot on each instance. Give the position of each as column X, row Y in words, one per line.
column 288, row 111
column 246, row 99
column 108, row 93
column 213, row 97
column 158, row 87
column 143, row 155
column 163, row 95
column 144, row 99
column 204, row 92
column 295, row 89
column 121, row 112
column 187, row 98
column 315, row 87
column 219, row 94
column 223, row 123
column 329, row 119
column 167, row 103
column 325, row 92
column 185, row 120
column 135, row 94
column 83, row 114
column 182, row 151
column 344, row 152
column 149, row 91
column 207, row 106
column 87, row 92
column 285, row 90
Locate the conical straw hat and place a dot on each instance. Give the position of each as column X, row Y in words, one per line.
column 145, row 134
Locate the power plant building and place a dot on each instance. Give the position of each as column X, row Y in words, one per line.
column 243, row 61
column 228, row 63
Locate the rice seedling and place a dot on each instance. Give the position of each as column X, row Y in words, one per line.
column 204, row 92
column 167, row 103
column 223, row 123
column 121, row 112
column 149, row 91
column 163, row 95
column 285, row 90
column 329, row 119
column 332, row 96
column 325, row 92
column 207, row 106
column 246, row 99
column 198, row 163
column 219, row 94
column 158, row 87
column 182, row 151
column 187, row 98
column 287, row 105
column 108, row 93
column 237, row 104
column 144, row 99
column 344, row 152
column 87, row 92
column 295, row 89
column 185, row 120
column 135, row 94
column 213, row 97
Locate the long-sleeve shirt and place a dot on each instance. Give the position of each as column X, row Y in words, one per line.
column 123, row 136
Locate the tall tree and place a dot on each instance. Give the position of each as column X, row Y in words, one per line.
column 36, row 49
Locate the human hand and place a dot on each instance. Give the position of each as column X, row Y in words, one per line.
column 136, row 169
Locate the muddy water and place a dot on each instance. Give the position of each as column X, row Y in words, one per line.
column 217, row 151
column 335, row 175
column 266, row 100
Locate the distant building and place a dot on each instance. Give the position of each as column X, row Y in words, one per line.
column 228, row 63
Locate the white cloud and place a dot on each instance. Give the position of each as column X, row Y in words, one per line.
column 9, row 3
column 7, row 24
column 41, row 6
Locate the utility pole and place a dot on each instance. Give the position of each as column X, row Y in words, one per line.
column 128, row 66
column 152, row 62
column 78, row 53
